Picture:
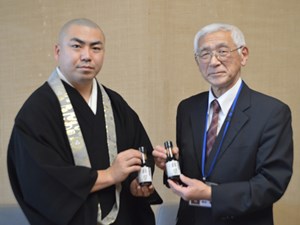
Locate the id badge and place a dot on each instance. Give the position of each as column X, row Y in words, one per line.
column 202, row 203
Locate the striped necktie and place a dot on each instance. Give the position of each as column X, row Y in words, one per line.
column 212, row 130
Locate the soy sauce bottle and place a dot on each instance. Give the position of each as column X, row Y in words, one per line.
column 145, row 174
column 172, row 165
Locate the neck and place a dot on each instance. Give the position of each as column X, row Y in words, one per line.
column 217, row 92
column 220, row 90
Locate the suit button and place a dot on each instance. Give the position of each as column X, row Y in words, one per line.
column 227, row 218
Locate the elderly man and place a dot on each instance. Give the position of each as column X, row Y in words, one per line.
column 235, row 145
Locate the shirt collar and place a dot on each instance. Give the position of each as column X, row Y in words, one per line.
column 226, row 99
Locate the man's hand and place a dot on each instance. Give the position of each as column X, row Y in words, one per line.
column 193, row 190
column 159, row 154
column 126, row 162
column 140, row 191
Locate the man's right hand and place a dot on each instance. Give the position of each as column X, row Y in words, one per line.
column 160, row 156
column 126, row 162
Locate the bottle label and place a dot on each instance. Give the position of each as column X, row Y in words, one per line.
column 145, row 175
column 173, row 168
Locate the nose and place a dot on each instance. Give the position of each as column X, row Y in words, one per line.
column 214, row 59
column 85, row 54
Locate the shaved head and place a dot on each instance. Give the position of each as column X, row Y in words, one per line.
column 79, row 22
column 80, row 52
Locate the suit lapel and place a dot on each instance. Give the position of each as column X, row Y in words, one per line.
column 198, row 116
column 237, row 122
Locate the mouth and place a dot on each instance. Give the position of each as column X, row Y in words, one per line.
column 218, row 73
column 85, row 67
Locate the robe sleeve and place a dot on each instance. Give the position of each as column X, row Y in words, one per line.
column 40, row 164
column 48, row 184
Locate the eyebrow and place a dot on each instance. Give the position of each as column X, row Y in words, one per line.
column 220, row 45
column 83, row 42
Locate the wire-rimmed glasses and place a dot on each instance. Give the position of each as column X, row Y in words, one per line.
column 221, row 53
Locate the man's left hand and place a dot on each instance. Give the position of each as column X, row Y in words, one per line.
column 140, row 191
column 192, row 190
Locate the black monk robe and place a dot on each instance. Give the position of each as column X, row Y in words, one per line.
column 48, row 186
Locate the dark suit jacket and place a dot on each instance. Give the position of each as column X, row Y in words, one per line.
column 254, row 166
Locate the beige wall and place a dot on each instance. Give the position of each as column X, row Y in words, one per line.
column 149, row 61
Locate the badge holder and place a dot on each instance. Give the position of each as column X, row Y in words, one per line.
column 202, row 203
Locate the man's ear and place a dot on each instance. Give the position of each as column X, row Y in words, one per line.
column 56, row 51
column 244, row 55
column 195, row 57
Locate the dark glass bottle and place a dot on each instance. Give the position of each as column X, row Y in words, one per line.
column 145, row 174
column 172, row 165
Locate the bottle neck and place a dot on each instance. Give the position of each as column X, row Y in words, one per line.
column 170, row 155
column 143, row 159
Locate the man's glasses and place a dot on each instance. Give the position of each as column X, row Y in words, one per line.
column 222, row 54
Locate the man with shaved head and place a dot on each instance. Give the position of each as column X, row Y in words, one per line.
column 72, row 156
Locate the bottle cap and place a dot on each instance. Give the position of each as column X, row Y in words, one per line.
column 168, row 144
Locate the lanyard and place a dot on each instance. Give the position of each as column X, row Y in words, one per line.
column 228, row 119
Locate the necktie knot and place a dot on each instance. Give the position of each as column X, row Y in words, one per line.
column 216, row 106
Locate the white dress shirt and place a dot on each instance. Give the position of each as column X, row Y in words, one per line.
column 225, row 102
